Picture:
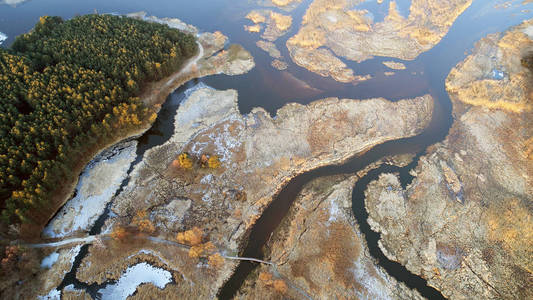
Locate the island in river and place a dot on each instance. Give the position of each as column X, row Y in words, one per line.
column 465, row 222
column 173, row 220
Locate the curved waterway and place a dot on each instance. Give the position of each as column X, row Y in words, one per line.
column 271, row 89
column 158, row 134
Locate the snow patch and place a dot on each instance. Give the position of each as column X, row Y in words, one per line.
column 207, row 179
column 132, row 278
column 74, row 252
column 77, row 293
column 334, row 211
column 50, row 260
column 190, row 112
column 3, row 37
column 170, row 22
column 53, row 295
column 332, row 18
column 96, row 187
column 373, row 286
column 529, row 31
column 225, row 141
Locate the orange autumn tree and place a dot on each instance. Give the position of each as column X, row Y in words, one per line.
column 119, row 233
column 265, row 278
column 213, row 162
column 190, row 237
column 183, row 161
column 143, row 223
column 216, row 260
column 202, row 250
column 280, row 286
column 198, row 247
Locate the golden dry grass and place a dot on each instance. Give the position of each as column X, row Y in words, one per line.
column 253, row 28
column 308, row 37
column 511, row 224
column 256, row 17
column 281, row 22
column 281, row 3
column 337, row 251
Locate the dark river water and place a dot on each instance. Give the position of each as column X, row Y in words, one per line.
column 266, row 87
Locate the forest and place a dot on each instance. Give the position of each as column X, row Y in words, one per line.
column 67, row 86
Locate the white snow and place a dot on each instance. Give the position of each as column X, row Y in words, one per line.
column 3, row 37
column 374, row 288
column 194, row 111
column 132, row 278
column 53, row 295
column 170, row 22
column 332, row 18
column 96, row 187
column 529, row 31
column 225, row 142
column 74, row 252
column 207, row 179
column 334, row 211
column 50, row 260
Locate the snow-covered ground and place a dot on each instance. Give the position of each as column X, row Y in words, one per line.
column 96, row 187
column 50, row 260
column 3, row 37
column 53, row 295
column 132, row 278
column 170, row 22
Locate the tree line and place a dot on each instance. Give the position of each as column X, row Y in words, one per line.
column 68, row 86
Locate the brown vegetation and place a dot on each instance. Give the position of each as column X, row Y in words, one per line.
column 216, row 260
column 143, row 223
column 256, row 17
column 119, row 233
column 16, row 264
column 213, row 162
column 190, row 237
column 510, row 224
column 183, row 161
column 281, row 22
column 266, row 279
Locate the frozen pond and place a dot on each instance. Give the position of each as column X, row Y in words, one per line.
column 96, row 187
column 132, row 278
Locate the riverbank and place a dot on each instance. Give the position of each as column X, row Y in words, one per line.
column 334, row 29
column 210, row 59
column 256, row 161
column 339, row 265
column 464, row 222
column 153, row 95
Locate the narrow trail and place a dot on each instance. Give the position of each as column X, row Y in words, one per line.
column 187, row 68
column 92, row 238
column 152, row 95
column 84, row 240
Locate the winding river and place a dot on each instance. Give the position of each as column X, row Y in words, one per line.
column 424, row 75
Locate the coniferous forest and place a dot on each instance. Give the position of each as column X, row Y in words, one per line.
column 67, row 86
